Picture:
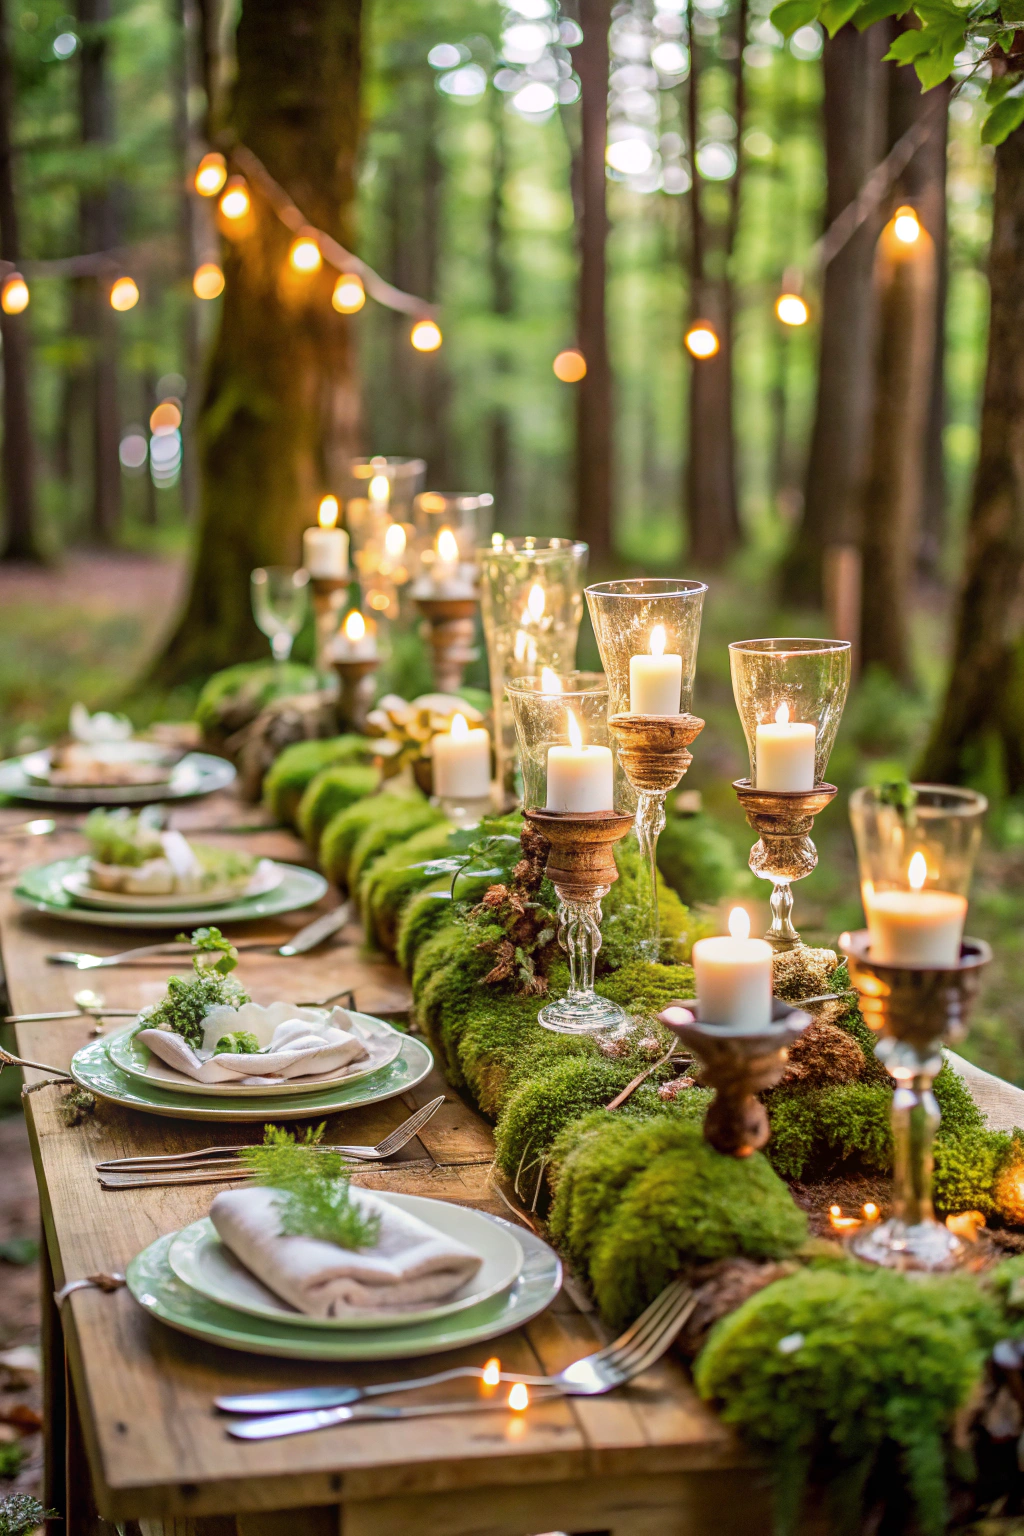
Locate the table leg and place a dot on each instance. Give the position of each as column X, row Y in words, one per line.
column 54, row 1398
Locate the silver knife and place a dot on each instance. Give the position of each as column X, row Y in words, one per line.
column 301, row 1423
column 319, row 929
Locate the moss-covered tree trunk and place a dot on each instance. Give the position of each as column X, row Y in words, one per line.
column 979, row 733
column 279, row 410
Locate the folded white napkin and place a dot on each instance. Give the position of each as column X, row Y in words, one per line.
column 295, row 1042
column 411, row 1263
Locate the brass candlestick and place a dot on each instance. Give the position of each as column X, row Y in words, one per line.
column 737, row 1064
column 328, row 601
column 783, row 819
column 914, row 1008
column 652, row 751
column 450, row 622
column 581, row 867
column 356, row 692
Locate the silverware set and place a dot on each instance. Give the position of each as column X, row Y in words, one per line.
column 306, row 939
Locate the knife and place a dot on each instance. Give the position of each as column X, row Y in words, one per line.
column 319, row 929
column 300, row 1423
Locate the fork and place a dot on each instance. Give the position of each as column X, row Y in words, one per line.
column 87, row 962
column 634, row 1352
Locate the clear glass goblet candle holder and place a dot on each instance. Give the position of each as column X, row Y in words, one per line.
column 917, row 977
column 531, row 604
column 647, row 631
column 561, row 724
column 379, row 496
column 280, row 602
column 790, row 695
column 450, row 527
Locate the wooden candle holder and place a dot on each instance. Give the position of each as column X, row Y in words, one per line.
column 328, row 597
column 356, row 691
column 450, row 624
column 784, row 852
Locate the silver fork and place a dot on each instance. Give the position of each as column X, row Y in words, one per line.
column 634, row 1352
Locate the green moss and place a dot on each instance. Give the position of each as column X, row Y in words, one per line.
column 376, row 839
column 234, row 696
column 640, row 986
column 815, row 1128
column 344, row 830
column 444, row 984
column 622, row 927
column 397, row 876
column 331, row 791
column 696, row 859
column 967, row 1169
column 420, row 919
column 866, row 1358
column 290, row 774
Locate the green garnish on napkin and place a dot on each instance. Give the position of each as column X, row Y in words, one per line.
column 316, row 1198
column 238, row 1043
column 188, row 1001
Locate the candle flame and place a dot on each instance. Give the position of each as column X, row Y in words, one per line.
column 327, row 512
column 519, row 1398
column 871, row 1211
column 550, row 681
column 492, row 1371
column 739, row 923
column 658, row 640
column 447, row 546
column 839, row 1222
column 395, row 541
column 782, row 714
column 354, row 626
column 460, row 727
column 535, row 603
column 380, row 488
column 575, row 734
column 497, row 541
column 917, row 871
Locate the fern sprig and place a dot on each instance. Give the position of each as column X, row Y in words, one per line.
column 315, row 1197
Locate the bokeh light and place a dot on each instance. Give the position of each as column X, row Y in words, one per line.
column 304, row 255
column 235, row 201
column 791, row 309
column 124, row 294
column 349, row 295
column 425, row 336
column 906, row 225
column 570, row 366
column 211, row 174
column 208, row 281
column 701, row 340
column 14, row 294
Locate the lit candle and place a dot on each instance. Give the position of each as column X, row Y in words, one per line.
column 325, row 548
column 915, row 927
column 379, row 493
column 446, row 558
column 579, row 777
column 655, row 681
column 355, row 642
column 462, row 762
column 784, row 752
column 733, row 977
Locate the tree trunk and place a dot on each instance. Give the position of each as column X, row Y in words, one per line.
column 280, row 381
column 595, row 422
column 979, row 734
column 20, row 539
column 855, row 125
column 502, row 305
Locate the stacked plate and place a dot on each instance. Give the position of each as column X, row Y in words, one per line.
column 32, row 777
column 191, row 1281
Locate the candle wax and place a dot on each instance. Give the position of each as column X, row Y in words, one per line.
column 655, row 684
column 325, row 553
column 784, row 755
column 580, row 779
column 915, row 927
column 734, row 982
column 462, row 765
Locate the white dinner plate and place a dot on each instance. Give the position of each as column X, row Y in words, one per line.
column 266, row 877
column 199, row 1258
column 198, row 773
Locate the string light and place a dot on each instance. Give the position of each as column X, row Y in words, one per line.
column 349, row 295
column 304, row 255
column 492, row 1372
column 426, row 336
column 701, row 340
column 211, row 174
column 519, row 1397
column 208, row 281
column 164, row 418
column 570, row 366
column 791, row 309
column 124, row 294
column 905, row 225
column 14, row 295
column 235, row 201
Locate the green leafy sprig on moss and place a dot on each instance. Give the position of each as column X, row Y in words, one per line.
column 188, row 1000
column 314, row 1185
column 21, row 1513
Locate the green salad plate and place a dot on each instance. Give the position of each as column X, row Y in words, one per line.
column 42, row 888
column 94, row 1067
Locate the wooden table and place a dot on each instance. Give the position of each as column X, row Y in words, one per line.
column 135, row 1437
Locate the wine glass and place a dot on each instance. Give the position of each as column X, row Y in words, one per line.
column 280, row 601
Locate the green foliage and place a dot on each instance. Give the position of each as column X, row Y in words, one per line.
column 967, row 1169
column 238, row 1043
column 12, row 1457
column 188, row 1001
column 835, row 1364
column 317, row 1200
column 118, row 837
column 21, row 1513
column 331, row 791
column 292, row 772
column 696, row 859
column 344, row 830
column 233, row 697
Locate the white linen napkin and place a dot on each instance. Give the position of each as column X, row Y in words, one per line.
column 411, row 1263
column 296, row 1042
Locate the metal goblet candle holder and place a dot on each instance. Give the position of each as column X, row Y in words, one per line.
column 915, row 1008
column 784, row 851
column 450, row 623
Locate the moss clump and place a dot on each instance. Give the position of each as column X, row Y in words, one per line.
column 396, row 877
column 641, row 987
column 330, row 791
column 375, row 840
column 291, row 773
column 696, row 859
column 420, row 919
column 230, row 699
column 622, row 926
column 344, row 830
column 834, row 1364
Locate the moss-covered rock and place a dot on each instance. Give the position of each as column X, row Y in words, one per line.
column 398, row 875
column 375, row 840
column 330, row 791
column 696, row 859
column 421, row 917
column 292, row 772
column 231, row 699
column 344, row 830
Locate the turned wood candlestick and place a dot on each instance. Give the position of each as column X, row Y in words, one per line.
column 328, row 596
column 355, row 694
column 737, row 1065
column 784, row 852
column 450, row 623
column 581, row 867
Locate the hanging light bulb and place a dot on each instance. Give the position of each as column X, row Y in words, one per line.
column 701, row 340
column 124, row 294
column 211, row 174
column 426, row 336
column 14, row 294
column 208, row 281
column 905, row 225
column 235, row 201
column 570, row 366
column 791, row 309
column 304, row 255
column 349, row 295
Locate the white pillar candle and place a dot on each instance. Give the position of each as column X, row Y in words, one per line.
column 462, row 762
column 655, row 681
column 579, row 778
column 325, row 548
column 784, row 753
column 915, row 927
column 733, row 977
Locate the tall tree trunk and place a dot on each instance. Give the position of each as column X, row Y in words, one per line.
column 595, row 419
column 979, row 734
column 855, row 127
column 280, row 375
column 189, row 32
column 502, row 305
column 20, row 539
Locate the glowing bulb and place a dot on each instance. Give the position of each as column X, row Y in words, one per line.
column 497, row 541
column 165, row 418
column 917, row 871
column 305, row 256
column 658, row 640
column 701, row 340
column 791, row 309
column 208, row 281
column 492, row 1372
column 124, row 294
column 519, row 1398
column 835, row 1210
column 570, row 366
column 211, row 174
column 447, row 546
column 327, row 512
column 14, row 295
column 871, row 1211
column 460, row 727
column 349, row 294
column 906, row 226
column 575, row 734
column 354, row 626
column 380, row 488
column 395, row 541
column 550, row 682
column 425, row 336
column 739, row 923
column 782, row 715
column 535, row 603
column 235, row 202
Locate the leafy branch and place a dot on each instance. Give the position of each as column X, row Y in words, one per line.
column 316, row 1199
column 187, row 1002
